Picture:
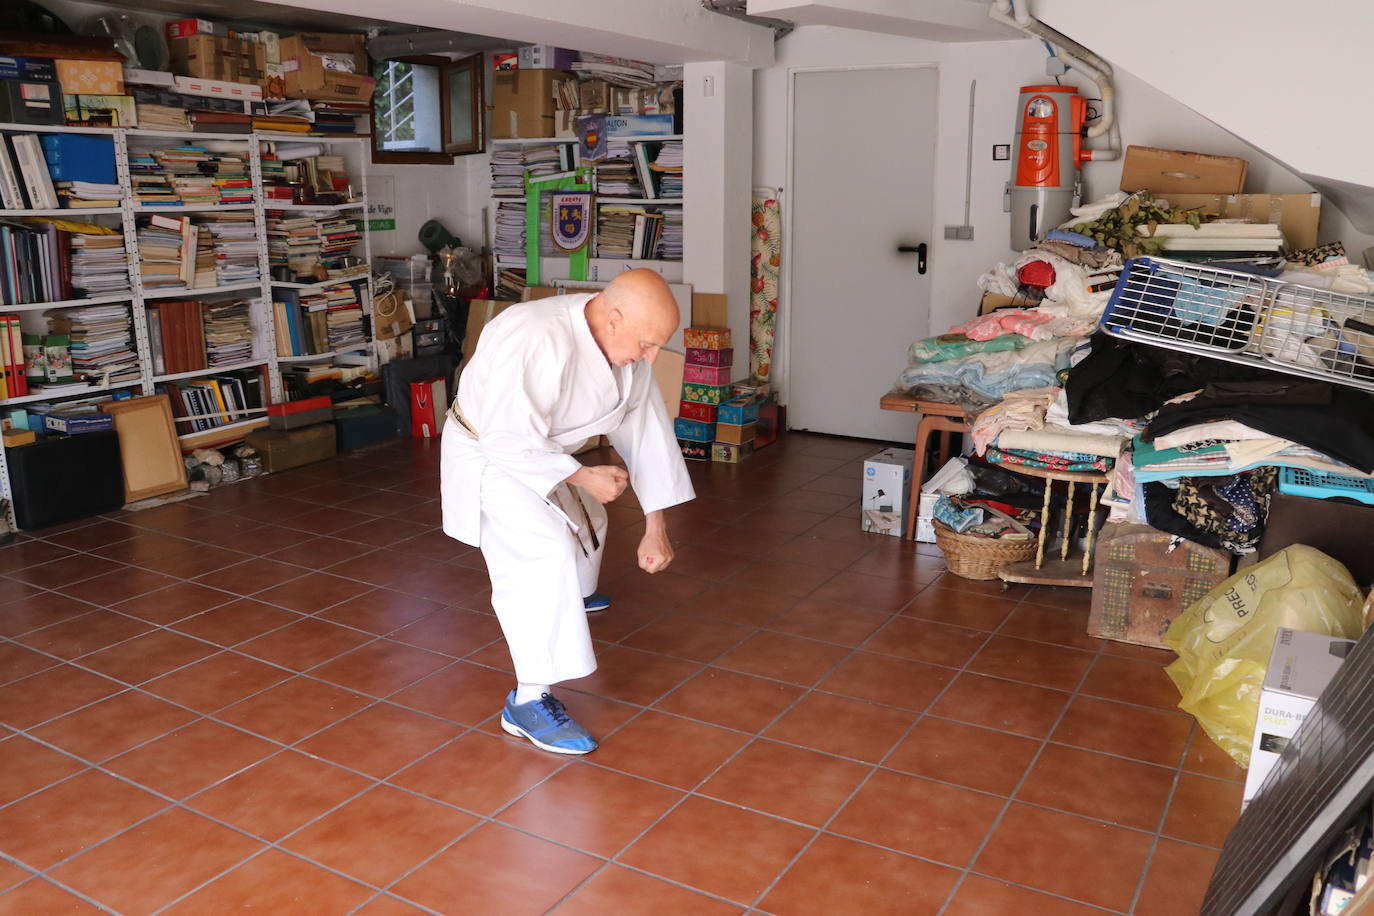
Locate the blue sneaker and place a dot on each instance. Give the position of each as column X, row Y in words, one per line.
column 547, row 724
column 596, row 602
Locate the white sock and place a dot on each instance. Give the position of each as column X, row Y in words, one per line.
column 528, row 693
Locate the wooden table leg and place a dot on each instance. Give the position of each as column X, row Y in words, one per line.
column 1044, row 526
column 1092, row 515
column 1068, row 525
column 918, row 469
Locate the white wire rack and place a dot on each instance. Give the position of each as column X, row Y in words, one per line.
column 1244, row 318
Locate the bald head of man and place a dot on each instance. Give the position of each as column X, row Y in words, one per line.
column 633, row 317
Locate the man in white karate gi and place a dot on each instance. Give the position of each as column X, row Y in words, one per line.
column 546, row 376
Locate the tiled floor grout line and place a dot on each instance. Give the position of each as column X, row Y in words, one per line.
column 1163, row 819
column 1021, row 781
column 875, row 766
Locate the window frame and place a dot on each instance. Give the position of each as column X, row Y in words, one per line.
column 445, row 155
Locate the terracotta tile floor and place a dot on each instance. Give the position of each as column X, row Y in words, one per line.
column 283, row 697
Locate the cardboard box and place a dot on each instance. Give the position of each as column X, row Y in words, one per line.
column 877, row 522
column 706, row 338
column 991, row 302
column 886, row 483
column 546, row 57
column 710, row 310
column 480, row 312
column 647, row 125
column 522, row 102
column 706, row 375
column 1143, row 579
column 731, row 453
column 694, row 410
column 723, row 358
column 211, row 57
column 594, row 96
column 705, row 394
column 185, row 28
column 1296, row 215
column 28, row 68
column 565, row 122
column 694, row 430
column 281, row 450
column 326, row 67
column 14, row 438
column 91, row 77
column 1166, row 171
column 1342, row 530
column 1300, row 667
column 735, row 433
column 695, row 451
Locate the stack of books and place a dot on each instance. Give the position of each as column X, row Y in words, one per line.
column 102, row 342
column 203, row 260
column 510, row 283
column 1218, row 240
column 190, row 176
column 150, row 183
column 344, row 318
column 228, row 332
column 166, row 251
column 668, row 165
column 615, row 175
column 670, row 240
column 625, row 231
column 294, row 242
column 510, row 230
column 339, row 118
column 510, row 163
column 337, row 237
column 100, row 264
column 618, row 71
column 57, row 170
column 234, row 242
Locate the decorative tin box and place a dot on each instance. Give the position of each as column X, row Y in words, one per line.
column 706, row 338
column 694, row 430
column 706, row 375
column 700, row 357
column 693, row 410
column 705, row 394
column 734, row 433
column 739, row 410
column 695, row 451
column 730, row 453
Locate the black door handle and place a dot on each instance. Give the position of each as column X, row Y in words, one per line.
column 920, row 251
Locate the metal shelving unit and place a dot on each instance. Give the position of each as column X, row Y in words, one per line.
column 264, row 327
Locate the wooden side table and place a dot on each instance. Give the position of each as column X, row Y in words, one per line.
column 936, row 416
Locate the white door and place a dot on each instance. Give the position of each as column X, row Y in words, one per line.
column 862, row 158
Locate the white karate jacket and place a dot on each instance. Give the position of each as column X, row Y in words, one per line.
column 536, row 389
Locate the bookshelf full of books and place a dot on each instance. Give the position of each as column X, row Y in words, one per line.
column 145, row 261
column 638, row 201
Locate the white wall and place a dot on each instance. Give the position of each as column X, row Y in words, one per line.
column 1147, row 116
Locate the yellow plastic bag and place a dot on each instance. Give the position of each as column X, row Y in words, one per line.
column 1224, row 640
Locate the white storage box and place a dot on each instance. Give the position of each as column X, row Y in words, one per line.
column 1300, row 667
column 925, row 519
column 887, row 481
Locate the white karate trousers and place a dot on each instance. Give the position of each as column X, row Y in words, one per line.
column 540, row 572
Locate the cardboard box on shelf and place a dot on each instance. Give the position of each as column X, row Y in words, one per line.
column 522, row 103
column 217, row 89
column 1165, row 171
column 886, row 483
column 30, row 102
column 594, row 95
column 91, row 77
column 1296, row 215
column 546, row 57
column 326, row 66
column 1299, row 669
column 630, row 126
column 28, row 68
column 214, row 57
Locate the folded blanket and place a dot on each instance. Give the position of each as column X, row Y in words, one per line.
column 1052, row 461
column 1051, row 438
column 956, row 346
column 992, row 375
column 1018, row 410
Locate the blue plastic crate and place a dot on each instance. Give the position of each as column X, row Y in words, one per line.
column 1321, row 485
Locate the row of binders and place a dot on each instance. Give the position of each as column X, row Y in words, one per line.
column 42, row 262
column 328, row 320
column 14, row 378
column 57, row 171
column 204, row 404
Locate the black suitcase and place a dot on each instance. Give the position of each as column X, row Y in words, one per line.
column 61, row 479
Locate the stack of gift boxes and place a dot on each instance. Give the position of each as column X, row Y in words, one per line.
column 712, row 424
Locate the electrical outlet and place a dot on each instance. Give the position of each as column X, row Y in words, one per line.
column 959, row 233
column 708, row 86
column 1001, row 151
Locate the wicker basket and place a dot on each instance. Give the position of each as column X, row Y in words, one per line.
column 971, row 557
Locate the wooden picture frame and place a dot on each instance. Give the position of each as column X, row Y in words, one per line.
column 148, row 445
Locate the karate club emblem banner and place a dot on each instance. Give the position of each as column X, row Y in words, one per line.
column 571, row 220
